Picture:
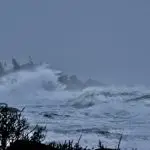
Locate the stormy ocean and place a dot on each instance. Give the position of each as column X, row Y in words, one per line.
column 97, row 113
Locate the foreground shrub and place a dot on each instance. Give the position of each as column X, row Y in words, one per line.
column 26, row 145
column 16, row 134
column 13, row 127
column 30, row 145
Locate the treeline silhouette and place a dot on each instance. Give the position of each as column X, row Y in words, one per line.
column 17, row 134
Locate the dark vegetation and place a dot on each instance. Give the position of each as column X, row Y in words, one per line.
column 17, row 134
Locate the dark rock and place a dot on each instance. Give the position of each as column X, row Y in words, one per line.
column 91, row 82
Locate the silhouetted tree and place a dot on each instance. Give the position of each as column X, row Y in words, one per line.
column 13, row 127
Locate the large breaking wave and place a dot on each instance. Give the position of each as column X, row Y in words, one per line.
column 102, row 113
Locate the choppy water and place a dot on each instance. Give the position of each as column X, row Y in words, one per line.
column 97, row 113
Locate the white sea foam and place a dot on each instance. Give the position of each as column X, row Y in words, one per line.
column 97, row 112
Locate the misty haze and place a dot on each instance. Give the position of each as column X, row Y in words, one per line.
column 79, row 67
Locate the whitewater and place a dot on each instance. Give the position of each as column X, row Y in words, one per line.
column 97, row 113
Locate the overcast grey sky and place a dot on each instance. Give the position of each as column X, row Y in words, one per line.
column 104, row 39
